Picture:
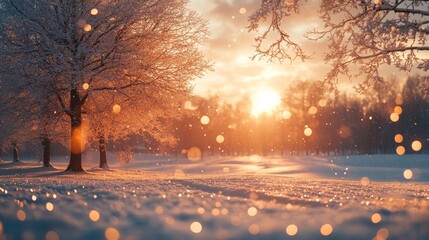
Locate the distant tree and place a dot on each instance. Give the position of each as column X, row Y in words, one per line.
column 80, row 48
column 367, row 33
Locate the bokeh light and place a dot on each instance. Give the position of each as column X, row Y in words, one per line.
column 51, row 235
column 416, row 145
column 323, row 102
column 399, row 138
column 254, row 229
column 382, row 234
column 326, row 229
column 376, row 218
column 112, row 233
column 85, row 86
column 286, row 115
column 398, row 110
column 196, row 227
column 87, row 27
column 116, row 108
column 94, row 216
column 20, row 214
column 194, row 154
column 312, row 110
column 292, row 230
column 365, row 181
column 94, row 11
column 252, row 211
column 243, row 10
column 308, row 131
column 408, row 174
column 220, row 139
column 49, row 206
column 205, row 120
column 394, row 117
column 400, row 150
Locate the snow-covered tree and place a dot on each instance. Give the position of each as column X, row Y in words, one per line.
column 366, row 33
column 114, row 118
column 118, row 47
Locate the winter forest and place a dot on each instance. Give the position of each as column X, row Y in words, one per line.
column 217, row 119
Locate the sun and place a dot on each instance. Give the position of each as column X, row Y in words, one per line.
column 265, row 101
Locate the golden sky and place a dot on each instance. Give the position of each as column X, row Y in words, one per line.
column 231, row 46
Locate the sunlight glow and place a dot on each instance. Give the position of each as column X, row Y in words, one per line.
column 265, row 101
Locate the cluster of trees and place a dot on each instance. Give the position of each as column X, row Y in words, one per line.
column 311, row 120
column 78, row 72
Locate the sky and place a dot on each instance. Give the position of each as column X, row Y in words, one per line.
column 230, row 48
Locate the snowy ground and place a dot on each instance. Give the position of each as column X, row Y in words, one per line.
column 169, row 197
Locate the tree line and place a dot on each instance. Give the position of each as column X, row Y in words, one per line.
column 312, row 121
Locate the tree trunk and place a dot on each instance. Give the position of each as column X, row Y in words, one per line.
column 15, row 153
column 75, row 163
column 103, row 156
column 46, row 142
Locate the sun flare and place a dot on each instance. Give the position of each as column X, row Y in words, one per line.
column 264, row 101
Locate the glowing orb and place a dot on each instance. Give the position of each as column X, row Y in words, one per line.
column 20, row 214
column 312, row 110
column 87, row 27
column 416, row 145
column 85, row 86
column 116, row 108
column 394, row 117
column 94, row 216
column 308, row 132
column 94, row 11
column 398, row 110
column 254, row 229
column 194, row 154
column 326, row 230
column 49, row 206
column 220, row 139
column 292, row 230
column 399, row 138
column 408, row 174
column 286, row 115
column 400, row 150
column 252, row 211
column 243, row 10
column 376, row 218
column 364, row 181
column 205, row 120
column 112, row 233
column 196, row 227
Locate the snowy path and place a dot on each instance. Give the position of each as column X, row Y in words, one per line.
column 135, row 204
